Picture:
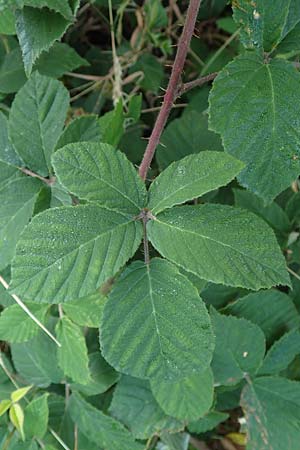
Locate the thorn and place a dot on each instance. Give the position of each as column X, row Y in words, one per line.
column 163, row 145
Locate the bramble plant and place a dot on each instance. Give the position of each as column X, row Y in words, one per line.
column 150, row 289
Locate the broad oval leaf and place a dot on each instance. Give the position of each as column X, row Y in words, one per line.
column 101, row 429
column 68, row 252
column 155, row 324
column 192, row 177
column 220, row 244
column 36, row 120
column 99, row 173
column 262, row 128
column 187, row 399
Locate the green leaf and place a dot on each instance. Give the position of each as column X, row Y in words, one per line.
column 134, row 405
column 186, row 135
column 8, row 173
column 101, row 174
column 7, row 153
column 19, row 393
column 273, row 311
column 240, row 348
column 281, row 354
column 112, row 125
column 148, row 330
column 36, row 360
column 290, row 46
column 103, row 376
column 192, row 177
column 36, row 120
column 60, row 6
column 4, row 406
column 72, row 355
column 81, row 129
column 186, row 399
column 86, row 311
column 151, row 71
column 262, row 133
column 220, row 244
column 36, row 417
column 12, row 76
column 208, row 422
column 16, row 416
column 7, row 22
column 59, row 196
column 37, row 30
column 68, row 252
column 16, row 326
column 17, row 200
column 99, row 428
column 272, row 410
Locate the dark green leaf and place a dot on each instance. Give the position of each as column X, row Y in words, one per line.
column 81, row 129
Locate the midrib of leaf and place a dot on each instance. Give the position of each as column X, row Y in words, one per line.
column 75, row 250
column 35, row 99
column 215, row 241
column 97, row 178
column 272, row 98
column 277, row 394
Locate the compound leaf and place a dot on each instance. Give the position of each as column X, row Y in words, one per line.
column 155, row 324
column 263, row 132
column 68, row 252
column 220, row 244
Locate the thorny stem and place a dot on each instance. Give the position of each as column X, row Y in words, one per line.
column 172, row 88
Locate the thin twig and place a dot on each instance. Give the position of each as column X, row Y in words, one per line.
column 49, row 181
column 172, row 88
column 294, row 274
column 196, row 83
column 29, row 313
column 157, row 108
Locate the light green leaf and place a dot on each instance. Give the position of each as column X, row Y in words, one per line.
column 8, row 173
column 58, row 60
column 99, row 173
column 37, row 30
column 86, row 311
column 240, row 348
column 220, row 244
column 99, row 428
column 72, row 355
column 273, row 311
column 155, row 324
column 16, row 416
column 68, row 252
column 188, row 398
column 16, row 326
column 12, row 76
column 264, row 133
column 19, row 393
column 103, row 376
column 81, row 129
column 186, row 135
column 36, row 120
column 281, row 354
column 17, row 200
column 208, row 422
column 36, row 417
column 36, row 360
column 134, row 405
column 4, row 406
column 7, row 153
column 192, row 177
column 59, row 196
column 272, row 410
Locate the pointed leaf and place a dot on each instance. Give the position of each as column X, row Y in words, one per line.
column 17, row 326
column 4, row 406
column 16, row 416
column 240, row 348
column 72, row 355
column 188, row 398
column 134, row 405
column 155, row 324
column 272, row 410
column 12, row 75
column 68, row 252
column 19, row 393
column 208, row 422
column 192, row 177
column 86, row 311
column 99, row 428
column 99, row 173
column 220, row 244
column 37, row 30
column 36, row 120
column 36, row 417
column 60, row 6
column 263, row 132
column 17, row 200
column 81, row 129
column 281, row 354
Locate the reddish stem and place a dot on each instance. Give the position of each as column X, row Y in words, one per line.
column 172, row 89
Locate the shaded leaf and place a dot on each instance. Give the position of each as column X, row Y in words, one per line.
column 36, row 417
column 208, row 422
column 81, row 129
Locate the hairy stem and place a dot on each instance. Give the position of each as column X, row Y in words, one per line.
column 172, row 89
column 196, row 83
